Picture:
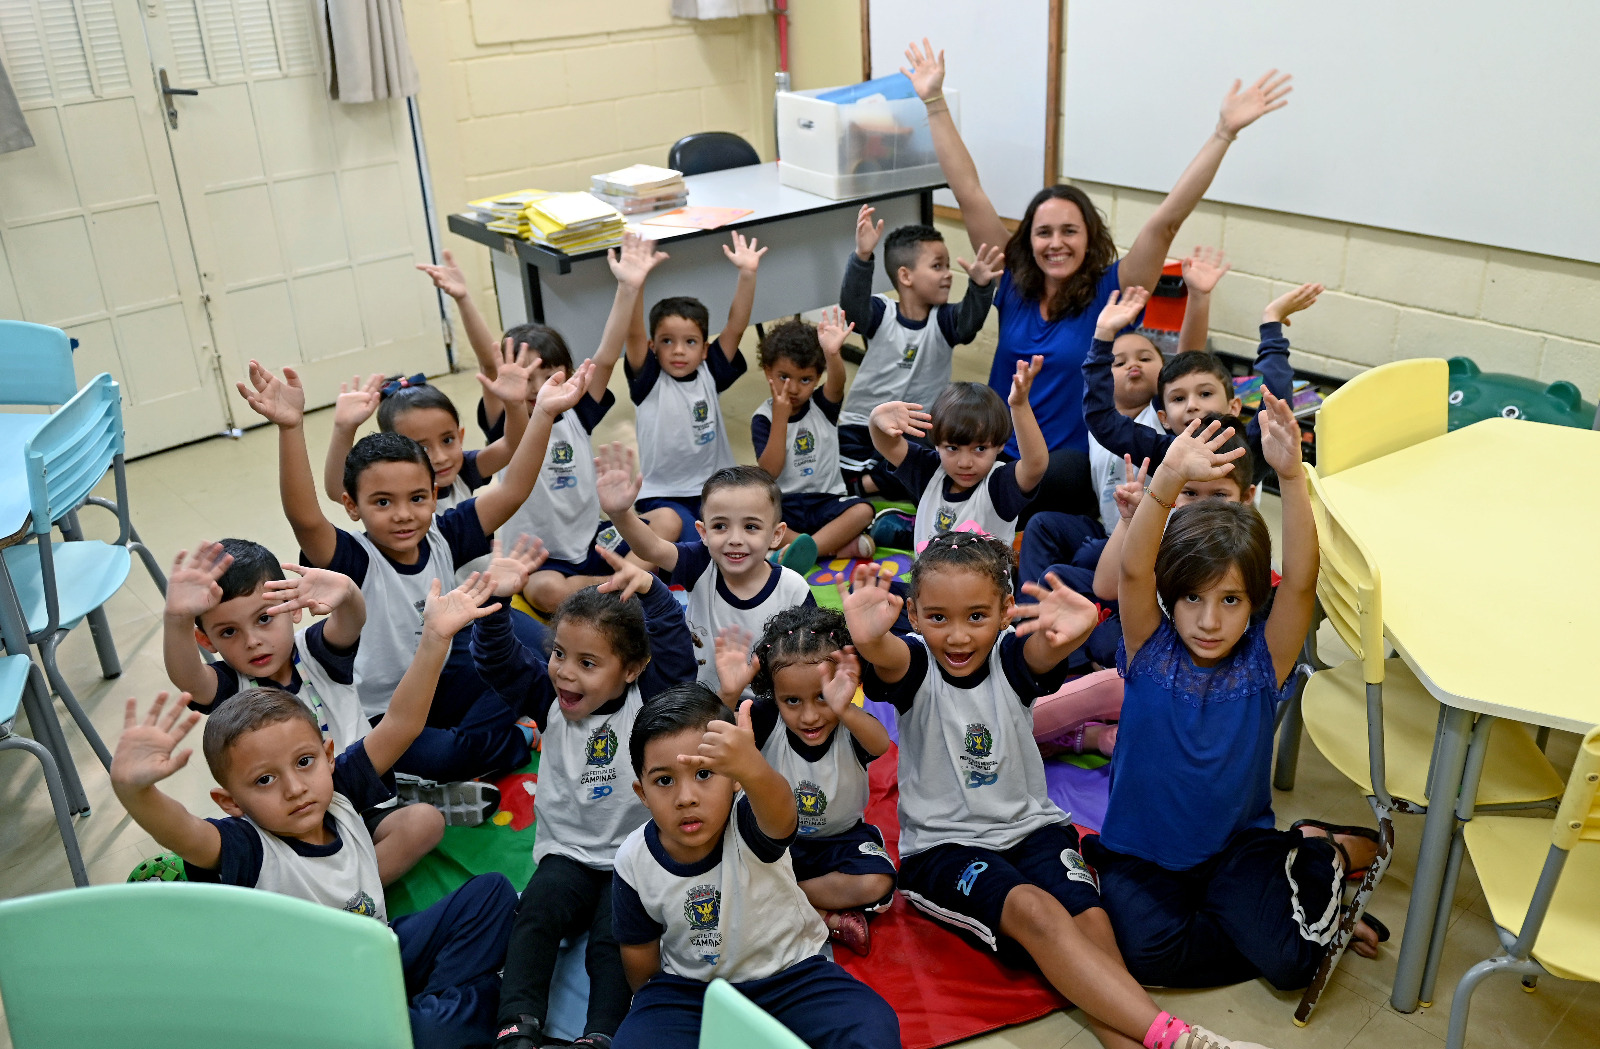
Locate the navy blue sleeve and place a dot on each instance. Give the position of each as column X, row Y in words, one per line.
column 640, row 385
column 917, row 469
column 227, row 687
column 764, row 717
column 1116, row 433
column 829, row 409
column 492, row 432
column 239, row 862
column 349, row 557
column 463, row 532
column 863, row 755
column 693, row 560
column 469, row 471
column 767, row 850
column 672, row 659
column 340, row 663
column 629, row 921
column 357, row 780
column 517, row 674
column 899, row 694
column 1008, row 497
column 723, row 371
column 860, row 306
column 810, row 600
column 590, row 411
column 960, row 324
column 1029, row 686
column 1277, row 375
column 760, row 433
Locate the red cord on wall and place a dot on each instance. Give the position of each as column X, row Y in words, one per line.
column 780, row 11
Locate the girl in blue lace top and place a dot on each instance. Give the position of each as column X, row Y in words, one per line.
column 1201, row 887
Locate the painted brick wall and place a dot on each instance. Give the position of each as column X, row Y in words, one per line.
column 520, row 93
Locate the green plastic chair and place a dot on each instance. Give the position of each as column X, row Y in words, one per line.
column 732, row 1021
column 186, row 966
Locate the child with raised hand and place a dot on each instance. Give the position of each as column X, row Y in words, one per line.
column 682, row 438
column 449, row 279
column 1201, row 887
column 795, row 433
column 959, row 483
column 706, row 890
column 804, row 673
column 410, row 406
column 982, row 846
column 231, row 598
column 725, row 570
column 389, row 487
column 612, row 648
column 294, row 827
column 908, row 358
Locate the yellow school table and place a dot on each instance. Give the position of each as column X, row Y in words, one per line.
column 1489, row 548
column 810, row 237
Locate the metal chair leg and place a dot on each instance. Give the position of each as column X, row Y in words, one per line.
column 46, row 729
column 58, row 802
column 1290, row 730
column 1462, row 1006
column 105, row 646
column 1441, row 920
column 47, row 651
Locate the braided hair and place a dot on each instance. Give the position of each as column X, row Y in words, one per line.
column 973, row 551
column 802, row 634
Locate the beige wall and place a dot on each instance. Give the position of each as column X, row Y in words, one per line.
column 544, row 93
column 824, row 43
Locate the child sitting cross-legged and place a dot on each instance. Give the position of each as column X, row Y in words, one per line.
column 805, row 674
column 982, row 846
column 232, row 598
column 1201, row 887
column 726, row 571
column 795, row 433
column 294, row 827
column 706, row 889
column 612, row 648
column 960, row 484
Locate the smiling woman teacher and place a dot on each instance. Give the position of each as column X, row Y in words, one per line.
column 1061, row 267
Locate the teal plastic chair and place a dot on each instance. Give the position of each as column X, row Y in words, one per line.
column 36, row 360
column 186, row 966
column 732, row 1021
column 18, row 674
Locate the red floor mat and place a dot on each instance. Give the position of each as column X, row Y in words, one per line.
column 942, row 988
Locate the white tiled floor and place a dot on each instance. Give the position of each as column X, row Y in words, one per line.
column 229, row 487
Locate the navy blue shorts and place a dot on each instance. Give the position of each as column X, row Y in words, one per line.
column 808, row 512
column 966, row 887
column 858, row 850
column 594, row 564
column 687, row 507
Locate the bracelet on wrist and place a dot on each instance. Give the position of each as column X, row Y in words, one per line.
column 933, row 98
column 1160, row 501
column 1225, row 135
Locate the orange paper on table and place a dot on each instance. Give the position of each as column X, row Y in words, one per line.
column 699, row 218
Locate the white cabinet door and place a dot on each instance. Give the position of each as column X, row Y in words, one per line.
column 306, row 214
column 92, row 232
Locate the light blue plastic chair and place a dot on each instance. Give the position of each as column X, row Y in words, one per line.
column 186, row 966
column 36, row 361
column 17, row 675
column 732, row 1021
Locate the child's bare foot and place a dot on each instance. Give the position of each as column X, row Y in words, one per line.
column 1358, row 845
column 1364, row 941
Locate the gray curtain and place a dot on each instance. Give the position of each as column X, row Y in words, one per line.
column 14, row 133
column 365, row 54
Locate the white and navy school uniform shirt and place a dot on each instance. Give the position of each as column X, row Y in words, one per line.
column 970, row 771
column 713, row 606
column 468, row 480
column 811, row 461
column 1107, row 471
column 564, row 509
column 682, row 438
column 342, row 874
column 991, row 507
column 322, row 678
column 738, row 914
column 829, row 780
column 396, row 595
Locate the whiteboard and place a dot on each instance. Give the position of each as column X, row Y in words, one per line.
column 997, row 55
column 1476, row 120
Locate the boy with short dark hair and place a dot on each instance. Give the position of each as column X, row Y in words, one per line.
column 706, row 890
column 294, row 826
column 908, row 358
column 675, row 379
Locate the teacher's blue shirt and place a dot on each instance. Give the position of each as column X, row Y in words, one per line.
column 1057, row 395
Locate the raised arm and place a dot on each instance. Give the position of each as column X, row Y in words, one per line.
column 831, row 333
column 889, row 424
column 1272, row 356
column 357, row 401
column 507, row 384
column 1033, row 451
column 630, row 264
column 1142, row 265
column 773, row 454
column 637, row 343
column 617, row 482
column 744, row 255
column 1059, row 621
column 671, row 644
column 986, row 265
column 736, row 668
column 1296, row 597
column 282, row 402
column 1127, row 496
column 1201, row 272
column 731, row 750
column 977, row 210
column 841, row 676
column 1116, row 433
column 449, row 279
column 192, row 591
column 500, row 501
column 870, row 611
column 322, row 593
column 144, row 758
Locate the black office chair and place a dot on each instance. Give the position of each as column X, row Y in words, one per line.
column 710, row 151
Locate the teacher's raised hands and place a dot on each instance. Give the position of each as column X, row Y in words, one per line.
column 927, row 69
column 1240, row 108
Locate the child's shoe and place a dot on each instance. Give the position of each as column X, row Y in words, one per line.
column 1200, row 1038
column 800, row 554
column 850, row 928
column 862, row 549
column 465, row 804
column 893, row 528
column 526, row 1033
column 530, row 731
column 591, row 1041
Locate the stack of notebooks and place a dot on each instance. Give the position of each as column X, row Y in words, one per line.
column 568, row 222
column 640, row 188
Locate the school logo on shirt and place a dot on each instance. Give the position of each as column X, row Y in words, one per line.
column 805, row 442
column 608, row 538
column 361, row 904
column 561, row 453
column 944, row 520
column 602, row 746
column 979, row 741
column 703, row 906
column 908, row 356
column 701, row 411
column 811, row 805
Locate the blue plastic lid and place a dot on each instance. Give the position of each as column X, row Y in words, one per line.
column 896, row 85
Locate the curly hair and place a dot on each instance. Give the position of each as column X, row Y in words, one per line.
column 1076, row 293
column 973, row 551
column 801, row 634
column 622, row 623
column 794, row 341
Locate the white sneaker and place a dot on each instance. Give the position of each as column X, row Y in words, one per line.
column 464, row 804
column 1199, row 1038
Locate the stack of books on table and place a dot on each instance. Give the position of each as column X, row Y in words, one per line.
column 572, row 222
column 503, row 214
column 640, row 188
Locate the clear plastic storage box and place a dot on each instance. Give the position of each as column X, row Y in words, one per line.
column 870, row 145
